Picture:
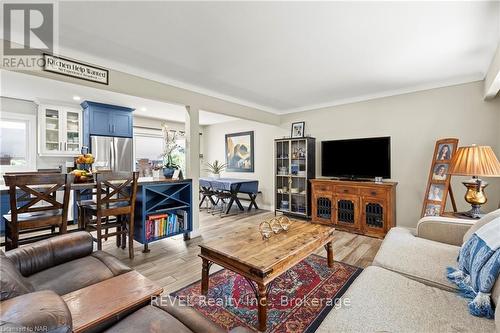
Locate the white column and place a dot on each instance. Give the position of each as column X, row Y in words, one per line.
column 193, row 161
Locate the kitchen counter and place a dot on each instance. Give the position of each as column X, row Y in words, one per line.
column 164, row 197
column 141, row 181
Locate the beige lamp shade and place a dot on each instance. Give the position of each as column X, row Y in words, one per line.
column 475, row 161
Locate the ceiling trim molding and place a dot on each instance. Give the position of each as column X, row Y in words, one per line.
column 164, row 79
column 118, row 66
column 153, row 87
column 388, row 93
column 492, row 79
column 71, row 53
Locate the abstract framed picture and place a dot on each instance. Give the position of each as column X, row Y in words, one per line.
column 239, row 152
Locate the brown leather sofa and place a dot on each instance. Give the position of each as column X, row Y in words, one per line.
column 168, row 318
column 62, row 264
column 34, row 277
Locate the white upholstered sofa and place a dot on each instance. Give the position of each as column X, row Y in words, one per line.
column 406, row 290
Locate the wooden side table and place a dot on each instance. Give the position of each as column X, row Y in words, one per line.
column 93, row 305
column 458, row 215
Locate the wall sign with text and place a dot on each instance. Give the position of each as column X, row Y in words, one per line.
column 75, row 69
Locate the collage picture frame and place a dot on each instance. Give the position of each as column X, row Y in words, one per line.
column 438, row 184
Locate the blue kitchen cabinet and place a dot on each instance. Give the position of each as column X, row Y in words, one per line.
column 100, row 122
column 121, row 124
column 107, row 120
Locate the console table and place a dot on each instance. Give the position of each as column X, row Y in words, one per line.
column 363, row 207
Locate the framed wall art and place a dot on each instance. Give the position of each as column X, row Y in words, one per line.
column 298, row 129
column 239, row 152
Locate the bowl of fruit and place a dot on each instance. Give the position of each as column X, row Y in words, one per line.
column 81, row 176
column 83, row 171
column 84, row 162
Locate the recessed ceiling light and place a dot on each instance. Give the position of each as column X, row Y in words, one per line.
column 143, row 109
column 76, row 98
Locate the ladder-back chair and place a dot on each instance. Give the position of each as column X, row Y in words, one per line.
column 115, row 196
column 34, row 205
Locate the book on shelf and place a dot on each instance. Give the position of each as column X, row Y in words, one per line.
column 160, row 225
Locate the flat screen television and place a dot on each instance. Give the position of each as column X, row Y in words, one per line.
column 356, row 158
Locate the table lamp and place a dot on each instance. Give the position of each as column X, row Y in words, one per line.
column 475, row 161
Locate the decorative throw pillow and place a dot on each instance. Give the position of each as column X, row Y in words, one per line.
column 478, row 268
column 479, row 223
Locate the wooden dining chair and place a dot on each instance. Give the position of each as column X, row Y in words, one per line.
column 36, row 173
column 115, row 197
column 34, row 205
column 86, row 199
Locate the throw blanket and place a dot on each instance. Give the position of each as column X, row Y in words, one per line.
column 478, row 268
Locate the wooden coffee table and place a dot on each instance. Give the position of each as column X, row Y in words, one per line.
column 243, row 251
column 93, row 305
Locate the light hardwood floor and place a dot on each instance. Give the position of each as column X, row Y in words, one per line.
column 174, row 263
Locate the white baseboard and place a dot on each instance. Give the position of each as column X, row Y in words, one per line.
column 266, row 207
column 194, row 234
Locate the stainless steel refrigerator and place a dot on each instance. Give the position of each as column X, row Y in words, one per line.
column 112, row 153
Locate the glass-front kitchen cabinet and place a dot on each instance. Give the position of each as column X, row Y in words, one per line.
column 59, row 130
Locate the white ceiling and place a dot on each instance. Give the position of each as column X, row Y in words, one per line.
column 28, row 87
column 287, row 56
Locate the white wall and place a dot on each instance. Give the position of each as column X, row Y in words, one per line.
column 214, row 146
column 156, row 123
column 414, row 122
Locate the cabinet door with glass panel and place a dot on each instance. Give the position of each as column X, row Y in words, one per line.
column 298, row 176
column 72, row 131
column 294, row 166
column 60, row 130
column 282, row 172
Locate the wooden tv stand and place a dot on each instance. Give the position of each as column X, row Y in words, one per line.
column 363, row 207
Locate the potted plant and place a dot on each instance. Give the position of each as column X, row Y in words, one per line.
column 170, row 145
column 215, row 168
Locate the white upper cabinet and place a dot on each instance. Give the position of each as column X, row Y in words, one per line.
column 59, row 130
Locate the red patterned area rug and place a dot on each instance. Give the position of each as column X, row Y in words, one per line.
column 298, row 300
